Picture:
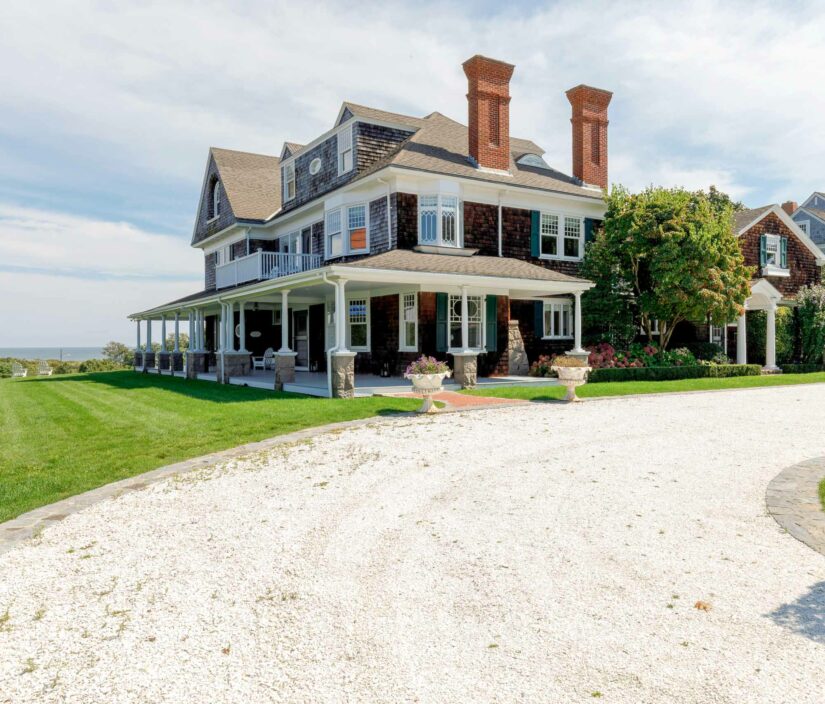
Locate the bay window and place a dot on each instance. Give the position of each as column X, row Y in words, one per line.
column 558, row 320
column 358, row 323
column 439, row 221
column 475, row 322
column 347, row 231
column 334, row 236
column 408, row 322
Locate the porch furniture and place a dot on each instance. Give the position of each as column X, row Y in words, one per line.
column 43, row 368
column 18, row 369
column 264, row 362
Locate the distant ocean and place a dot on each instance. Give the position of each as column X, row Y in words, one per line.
column 67, row 354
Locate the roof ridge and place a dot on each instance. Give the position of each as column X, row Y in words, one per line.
column 243, row 151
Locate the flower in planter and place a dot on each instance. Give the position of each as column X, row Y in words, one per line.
column 427, row 365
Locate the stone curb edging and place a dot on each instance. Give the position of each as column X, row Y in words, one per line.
column 792, row 498
column 32, row 523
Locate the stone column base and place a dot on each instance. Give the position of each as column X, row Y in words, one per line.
column 465, row 371
column 284, row 369
column 163, row 361
column 177, row 361
column 148, row 361
column 517, row 362
column 343, row 374
column 195, row 364
column 139, row 359
column 234, row 364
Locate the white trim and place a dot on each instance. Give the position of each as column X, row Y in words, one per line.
column 807, row 224
column 401, row 322
column 342, row 146
column 482, row 307
column 560, row 303
column 216, row 199
column 359, row 297
column 561, row 236
column 439, row 197
column 285, row 197
column 344, row 232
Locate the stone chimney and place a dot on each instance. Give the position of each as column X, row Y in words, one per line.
column 488, row 103
column 789, row 207
column 589, row 133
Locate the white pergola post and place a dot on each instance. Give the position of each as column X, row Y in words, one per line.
column 192, row 341
column 163, row 333
column 137, row 346
column 242, row 342
column 177, row 332
column 285, row 321
column 222, row 329
column 341, row 317
column 200, row 332
column 577, row 323
column 465, row 322
column 770, row 338
column 230, row 327
column 741, row 340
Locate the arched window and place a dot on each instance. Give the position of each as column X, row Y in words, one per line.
column 216, row 199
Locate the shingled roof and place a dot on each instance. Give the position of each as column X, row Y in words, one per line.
column 252, row 182
column 743, row 218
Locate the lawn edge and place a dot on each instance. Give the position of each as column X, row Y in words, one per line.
column 31, row 524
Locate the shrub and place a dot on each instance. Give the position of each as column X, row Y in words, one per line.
column 541, row 367
column 638, row 355
column 802, row 368
column 811, row 312
column 708, row 351
column 698, row 371
column 99, row 365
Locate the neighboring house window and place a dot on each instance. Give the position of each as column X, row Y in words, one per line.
column 216, row 199
column 475, row 319
column 289, row 181
column 356, row 241
column 805, row 226
column 439, row 221
column 558, row 320
column 773, row 252
column 408, row 322
column 358, row 312
column 345, row 150
column 562, row 236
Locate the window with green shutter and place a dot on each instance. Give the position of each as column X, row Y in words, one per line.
column 491, row 331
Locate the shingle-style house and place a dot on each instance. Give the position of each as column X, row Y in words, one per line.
column 388, row 237
column 810, row 217
column 784, row 259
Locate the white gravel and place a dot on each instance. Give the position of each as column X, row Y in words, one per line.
column 537, row 554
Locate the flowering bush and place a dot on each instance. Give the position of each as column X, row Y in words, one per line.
column 426, row 365
column 604, row 356
column 541, row 367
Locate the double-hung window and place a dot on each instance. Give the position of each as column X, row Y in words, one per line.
column 439, row 221
column 562, row 236
column 408, row 322
column 345, row 150
column 358, row 319
column 558, row 320
column 289, row 181
column 216, row 199
column 475, row 322
column 773, row 255
column 347, row 231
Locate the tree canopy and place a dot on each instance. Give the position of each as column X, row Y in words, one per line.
column 666, row 255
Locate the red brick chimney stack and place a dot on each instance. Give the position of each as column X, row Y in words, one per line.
column 488, row 102
column 789, row 207
column 590, row 133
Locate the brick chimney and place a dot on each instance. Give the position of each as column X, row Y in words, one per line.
column 589, row 133
column 789, row 207
column 488, row 102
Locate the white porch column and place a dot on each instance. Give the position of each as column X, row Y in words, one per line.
column 465, row 322
column 163, row 333
column 577, row 322
column 149, row 335
column 222, row 329
column 137, row 346
column 770, row 339
column 242, row 321
column 230, row 327
column 192, row 341
column 741, row 341
column 341, row 316
column 285, row 321
column 177, row 332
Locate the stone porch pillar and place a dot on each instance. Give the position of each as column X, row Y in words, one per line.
column 741, row 340
column 770, row 340
column 465, row 369
column 343, row 374
column 517, row 363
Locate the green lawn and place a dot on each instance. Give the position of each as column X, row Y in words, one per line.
column 63, row 435
column 624, row 388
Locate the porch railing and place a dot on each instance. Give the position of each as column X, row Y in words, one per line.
column 264, row 265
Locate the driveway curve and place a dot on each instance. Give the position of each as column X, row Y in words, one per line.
column 617, row 549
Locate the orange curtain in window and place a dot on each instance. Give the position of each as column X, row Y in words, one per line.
column 358, row 238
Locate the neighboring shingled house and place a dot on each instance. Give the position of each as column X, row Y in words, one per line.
column 810, row 217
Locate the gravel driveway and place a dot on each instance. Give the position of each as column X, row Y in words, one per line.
column 544, row 553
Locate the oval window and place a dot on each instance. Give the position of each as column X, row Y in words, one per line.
column 255, row 333
column 314, row 166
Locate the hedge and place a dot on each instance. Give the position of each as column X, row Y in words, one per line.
column 801, row 368
column 698, row 371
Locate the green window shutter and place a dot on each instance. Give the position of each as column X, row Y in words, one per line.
column 783, row 253
column 535, row 244
column 539, row 320
column 492, row 323
column 441, row 322
column 763, row 255
column 589, row 230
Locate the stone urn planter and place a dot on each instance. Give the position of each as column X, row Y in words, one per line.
column 572, row 372
column 427, row 375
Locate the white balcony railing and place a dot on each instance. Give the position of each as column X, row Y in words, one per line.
column 264, row 265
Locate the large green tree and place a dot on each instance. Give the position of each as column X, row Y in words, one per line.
column 671, row 255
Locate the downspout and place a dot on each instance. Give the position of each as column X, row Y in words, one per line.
column 334, row 348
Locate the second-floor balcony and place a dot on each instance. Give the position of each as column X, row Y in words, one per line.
column 263, row 265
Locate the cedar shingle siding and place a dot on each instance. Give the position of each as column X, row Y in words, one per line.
column 203, row 227
column 374, row 142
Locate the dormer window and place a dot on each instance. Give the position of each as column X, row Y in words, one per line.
column 216, row 199
column 345, row 150
column 439, row 221
column 289, row 181
column 773, row 255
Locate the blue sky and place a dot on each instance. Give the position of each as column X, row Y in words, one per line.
column 108, row 109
